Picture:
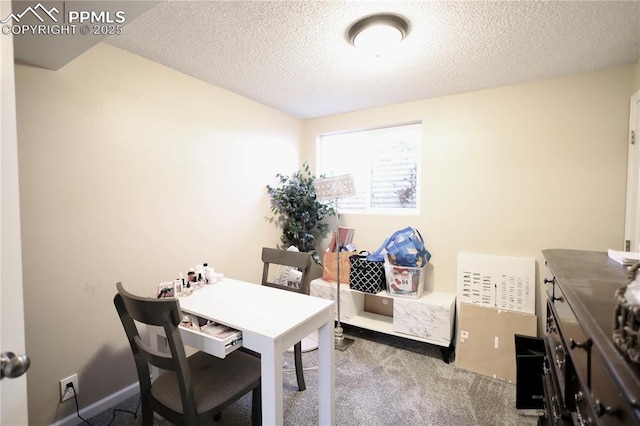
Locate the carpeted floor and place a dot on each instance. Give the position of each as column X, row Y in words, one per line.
column 380, row 380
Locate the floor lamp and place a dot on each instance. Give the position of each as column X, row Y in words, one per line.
column 334, row 188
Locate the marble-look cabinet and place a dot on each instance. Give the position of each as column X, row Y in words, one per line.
column 428, row 319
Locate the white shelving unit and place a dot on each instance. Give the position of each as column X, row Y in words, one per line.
column 428, row 319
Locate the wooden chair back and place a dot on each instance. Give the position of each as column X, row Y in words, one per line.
column 292, row 259
column 165, row 313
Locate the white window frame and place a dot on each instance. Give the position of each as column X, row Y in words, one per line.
column 328, row 170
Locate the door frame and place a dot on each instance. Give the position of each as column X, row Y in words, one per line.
column 13, row 392
column 632, row 216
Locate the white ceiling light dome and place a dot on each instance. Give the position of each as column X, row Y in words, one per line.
column 379, row 33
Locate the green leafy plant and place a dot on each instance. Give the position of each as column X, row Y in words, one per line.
column 298, row 212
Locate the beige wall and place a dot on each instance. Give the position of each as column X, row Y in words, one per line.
column 636, row 80
column 510, row 171
column 131, row 172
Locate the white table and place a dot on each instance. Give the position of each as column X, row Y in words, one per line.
column 271, row 321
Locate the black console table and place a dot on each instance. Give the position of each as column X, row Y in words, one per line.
column 587, row 381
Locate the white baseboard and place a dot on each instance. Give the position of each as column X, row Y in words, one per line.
column 99, row 406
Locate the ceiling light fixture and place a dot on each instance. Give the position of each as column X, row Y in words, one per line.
column 378, row 33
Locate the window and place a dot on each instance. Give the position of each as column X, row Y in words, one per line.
column 385, row 164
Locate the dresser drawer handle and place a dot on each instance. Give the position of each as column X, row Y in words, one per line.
column 547, row 281
column 602, row 409
column 584, row 345
column 553, row 298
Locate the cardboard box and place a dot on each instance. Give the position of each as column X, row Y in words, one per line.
column 486, row 340
column 380, row 305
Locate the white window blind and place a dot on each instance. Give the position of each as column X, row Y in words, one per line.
column 385, row 164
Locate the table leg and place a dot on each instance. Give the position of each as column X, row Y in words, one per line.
column 272, row 393
column 326, row 375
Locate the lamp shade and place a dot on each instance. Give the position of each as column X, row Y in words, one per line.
column 378, row 39
column 378, row 34
column 334, row 187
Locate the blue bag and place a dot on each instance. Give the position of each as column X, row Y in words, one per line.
column 405, row 248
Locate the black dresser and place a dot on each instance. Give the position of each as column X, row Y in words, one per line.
column 586, row 380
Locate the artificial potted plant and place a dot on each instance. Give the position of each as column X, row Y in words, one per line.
column 298, row 212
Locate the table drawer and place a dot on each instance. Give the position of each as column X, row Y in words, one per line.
column 555, row 412
column 556, row 353
column 608, row 403
column 576, row 345
column 210, row 341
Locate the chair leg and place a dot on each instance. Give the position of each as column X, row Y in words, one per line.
column 297, row 353
column 147, row 414
column 256, row 406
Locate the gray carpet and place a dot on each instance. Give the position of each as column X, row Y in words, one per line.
column 381, row 380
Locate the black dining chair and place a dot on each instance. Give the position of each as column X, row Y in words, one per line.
column 286, row 261
column 188, row 389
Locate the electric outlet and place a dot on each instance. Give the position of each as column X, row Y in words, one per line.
column 65, row 389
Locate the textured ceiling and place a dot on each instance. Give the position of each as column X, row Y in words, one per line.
column 53, row 52
column 293, row 55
